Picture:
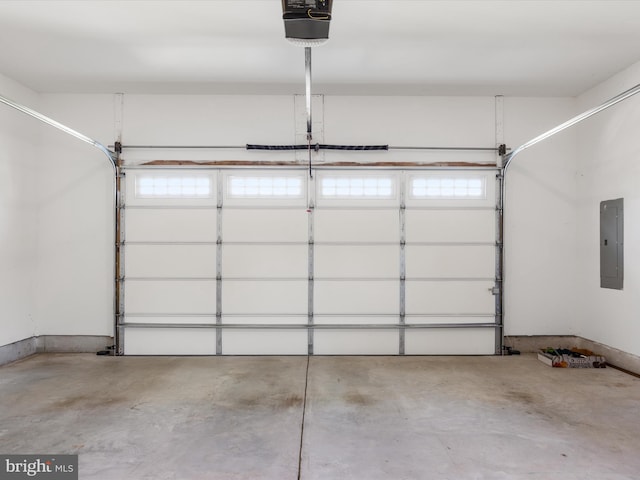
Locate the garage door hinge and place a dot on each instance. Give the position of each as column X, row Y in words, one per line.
column 495, row 290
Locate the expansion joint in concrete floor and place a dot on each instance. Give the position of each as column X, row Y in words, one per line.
column 304, row 410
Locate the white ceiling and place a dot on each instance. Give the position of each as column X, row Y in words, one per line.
column 383, row 47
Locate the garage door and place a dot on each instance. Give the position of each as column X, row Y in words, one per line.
column 257, row 262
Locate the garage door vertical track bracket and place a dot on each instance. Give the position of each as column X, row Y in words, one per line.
column 403, row 269
column 219, row 203
column 498, row 289
column 119, row 255
column 310, row 290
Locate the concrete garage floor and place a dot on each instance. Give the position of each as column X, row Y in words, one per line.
column 364, row 417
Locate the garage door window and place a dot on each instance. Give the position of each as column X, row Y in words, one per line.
column 357, row 187
column 265, row 187
column 450, row 187
column 150, row 186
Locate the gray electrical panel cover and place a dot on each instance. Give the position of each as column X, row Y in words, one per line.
column 611, row 243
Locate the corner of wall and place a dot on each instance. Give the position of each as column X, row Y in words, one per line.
column 540, row 220
column 19, row 137
column 609, row 150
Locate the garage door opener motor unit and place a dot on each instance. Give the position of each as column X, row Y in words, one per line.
column 306, row 22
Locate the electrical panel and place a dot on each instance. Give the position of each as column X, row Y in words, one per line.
column 612, row 243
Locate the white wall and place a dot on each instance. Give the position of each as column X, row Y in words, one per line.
column 540, row 224
column 609, row 167
column 207, row 120
column 75, row 219
column 18, row 144
column 411, row 121
column 75, row 247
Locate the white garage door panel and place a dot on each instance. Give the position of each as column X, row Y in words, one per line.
column 170, row 297
column 450, row 262
column 201, row 320
column 450, row 226
column 270, row 320
column 265, row 261
column 267, row 225
column 170, row 341
column 171, row 225
column 417, row 320
column 171, row 261
column 264, row 297
column 356, row 225
column 363, row 261
column 356, row 342
column 450, row 342
column 352, row 297
column 264, row 342
column 449, row 297
column 353, row 320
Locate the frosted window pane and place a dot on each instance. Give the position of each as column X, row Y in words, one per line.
column 440, row 187
column 357, row 187
column 150, row 186
column 268, row 187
